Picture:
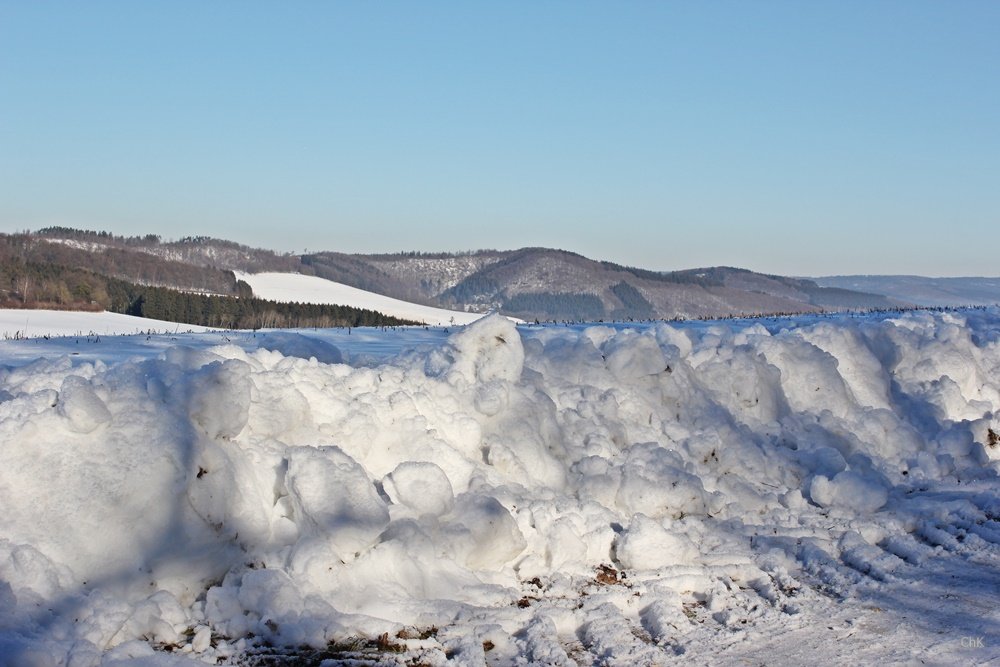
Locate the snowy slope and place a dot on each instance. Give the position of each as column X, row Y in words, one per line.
column 35, row 323
column 820, row 490
column 294, row 287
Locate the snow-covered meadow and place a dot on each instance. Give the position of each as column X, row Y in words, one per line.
column 773, row 491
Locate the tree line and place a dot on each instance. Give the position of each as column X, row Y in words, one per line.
column 29, row 284
column 563, row 306
column 122, row 262
column 243, row 312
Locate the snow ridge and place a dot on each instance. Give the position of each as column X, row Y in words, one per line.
column 547, row 495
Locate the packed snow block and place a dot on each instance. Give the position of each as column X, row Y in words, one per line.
column 525, row 442
column 746, row 385
column 809, row 376
column 29, row 576
column 668, row 336
column 654, row 483
column 488, row 349
column 413, row 561
column 233, row 490
column 849, row 490
column 631, row 356
column 860, row 368
column 481, row 533
column 158, row 618
column 219, row 398
column 268, row 591
column 224, row 610
column 937, row 361
column 564, row 536
column 572, row 360
column 278, row 406
column 822, row 459
column 276, row 607
column 421, row 486
column 81, row 406
column 647, row 545
column 334, row 499
column 879, row 434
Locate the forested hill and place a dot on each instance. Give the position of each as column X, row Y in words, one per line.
column 43, row 275
column 530, row 283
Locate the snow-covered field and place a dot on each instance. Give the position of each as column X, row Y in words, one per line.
column 40, row 323
column 294, row 287
column 822, row 490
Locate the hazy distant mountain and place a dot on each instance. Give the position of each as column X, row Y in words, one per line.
column 554, row 284
column 547, row 284
column 922, row 291
column 531, row 283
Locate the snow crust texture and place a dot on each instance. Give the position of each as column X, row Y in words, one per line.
column 511, row 496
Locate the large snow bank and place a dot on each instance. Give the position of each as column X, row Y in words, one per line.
column 543, row 495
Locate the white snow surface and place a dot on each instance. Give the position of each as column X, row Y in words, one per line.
column 779, row 491
column 29, row 323
column 295, row 287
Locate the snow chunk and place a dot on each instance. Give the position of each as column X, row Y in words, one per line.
column 219, row 398
column 81, row 406
column 489, row 349
column 334, row 499
column 647, row 545
column 631, row 356
column 849, row 490
column 421, row 486
column 482, row 533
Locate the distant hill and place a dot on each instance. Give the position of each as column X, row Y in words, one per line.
column 555, row 284
column 921, row 290
column 529, row 283
column 94, row 271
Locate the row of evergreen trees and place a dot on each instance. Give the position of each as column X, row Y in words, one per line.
column 574, row 307
column 243, row 312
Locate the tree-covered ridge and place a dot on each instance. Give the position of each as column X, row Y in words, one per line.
column 128, row 264
column 576, row 307
column 419, row 254
column 26, row 283
column 200, row 252
column 476, row 287
column 479, row 280
column 634, row 304
column 247, row 312
column 96, row 237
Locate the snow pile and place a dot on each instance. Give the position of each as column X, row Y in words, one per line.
column 548, row 495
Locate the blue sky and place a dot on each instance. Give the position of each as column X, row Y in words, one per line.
column 799, row 138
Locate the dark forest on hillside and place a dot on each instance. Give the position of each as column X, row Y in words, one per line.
column 28, row 283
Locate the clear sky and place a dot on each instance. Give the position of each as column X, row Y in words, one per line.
column 800, row 138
